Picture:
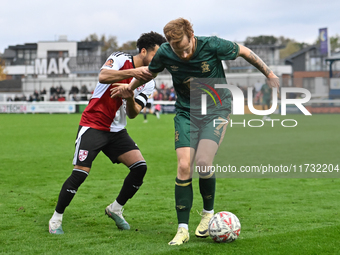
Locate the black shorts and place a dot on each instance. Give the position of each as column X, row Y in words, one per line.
column 91, row 141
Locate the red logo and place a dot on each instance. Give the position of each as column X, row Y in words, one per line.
column 140, row 88
column 83, row 155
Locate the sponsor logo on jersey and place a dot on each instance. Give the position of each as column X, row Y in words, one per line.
column 174, row 68
column 83, row 155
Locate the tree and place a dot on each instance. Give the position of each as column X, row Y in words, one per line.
column 91, row 38
column 335, row 43
column 109, row 44
column 261, row 40
column 2, row 70
column 130, row 45
column 291, row 47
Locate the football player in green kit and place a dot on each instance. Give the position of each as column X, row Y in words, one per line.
column 195, row 65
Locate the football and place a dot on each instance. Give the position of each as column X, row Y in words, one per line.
column 224, row 227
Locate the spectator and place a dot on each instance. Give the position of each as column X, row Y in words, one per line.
column 257, row 92
column 53, row 90
column 54, row 97
column 162, row 87
column 23, row 98
column 84, row 90
column 172, row 96
column 74, row 90
column 74, row 97
column 60, row 90
column 36, row 95
column 159, row 96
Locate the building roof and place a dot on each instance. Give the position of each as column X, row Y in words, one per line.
column 300, row 52
column 8, row 53
column 265, row 46
column 25, row 46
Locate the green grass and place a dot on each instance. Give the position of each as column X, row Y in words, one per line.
column 278, row 215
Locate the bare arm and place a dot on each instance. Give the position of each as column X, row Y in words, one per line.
column 256, row 61
column 132, row 108
column 136, row 83
column 124, row 91
column 108, row 76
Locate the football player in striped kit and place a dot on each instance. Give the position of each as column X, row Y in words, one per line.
column 102, row 128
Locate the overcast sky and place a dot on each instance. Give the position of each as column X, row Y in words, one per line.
column 23, row 21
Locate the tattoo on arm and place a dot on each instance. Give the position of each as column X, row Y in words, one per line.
column 258, row 63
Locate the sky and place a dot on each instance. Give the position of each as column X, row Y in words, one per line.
column 23, row 21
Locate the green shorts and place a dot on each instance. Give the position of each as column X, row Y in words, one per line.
column 190, row 128
column 266, row 100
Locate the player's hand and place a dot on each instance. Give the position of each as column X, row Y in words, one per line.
column 273, row 81
column 121, row 90
column 142, row 73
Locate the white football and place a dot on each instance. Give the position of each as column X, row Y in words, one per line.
column 224, row 227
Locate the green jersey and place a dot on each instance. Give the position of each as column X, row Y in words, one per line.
column 266, row 91
column 198, row 75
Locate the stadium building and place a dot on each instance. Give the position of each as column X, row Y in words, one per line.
column 38, row 71
column 37, row 66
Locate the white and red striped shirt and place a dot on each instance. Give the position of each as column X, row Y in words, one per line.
column 105, row 113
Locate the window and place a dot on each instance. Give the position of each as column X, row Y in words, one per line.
column 20, row 54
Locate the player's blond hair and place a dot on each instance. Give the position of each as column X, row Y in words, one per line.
column 175, row 30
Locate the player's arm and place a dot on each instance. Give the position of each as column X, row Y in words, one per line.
column 136, row 83
column 125, row 90
column 108, row 76
column 256, row 61
column 132, row 108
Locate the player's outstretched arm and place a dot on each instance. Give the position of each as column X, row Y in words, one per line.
column 256, row 61
column 122, row 90
column 109, row 76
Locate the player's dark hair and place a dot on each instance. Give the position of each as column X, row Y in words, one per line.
column 150, row 40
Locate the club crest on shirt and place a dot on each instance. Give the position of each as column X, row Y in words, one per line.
column 109, row 63
column 83, row 155
column 205, row 67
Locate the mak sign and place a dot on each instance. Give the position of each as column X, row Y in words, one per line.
column 56, row 66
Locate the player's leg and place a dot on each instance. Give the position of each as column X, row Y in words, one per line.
column 157, row 110
column 144, row 115
column 85, row 152
column 124, row 150
column 145, row 111
column 206, row 151
column 268, row 107
column 183, row 184
column 183, row 194
column 210, row 138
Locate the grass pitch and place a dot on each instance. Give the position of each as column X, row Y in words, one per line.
column 278, row 215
